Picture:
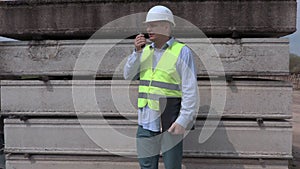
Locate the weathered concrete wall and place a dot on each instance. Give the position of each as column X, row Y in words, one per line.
column 244, row 98
column 92, row 162
column 60, row 141
column 103, row 137
column 216, row 56
column 69, row 19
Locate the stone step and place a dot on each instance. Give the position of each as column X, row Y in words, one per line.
column 241, row 98
column 102, row 162
column 71, row 19
column 106, row 58
column 229, row 139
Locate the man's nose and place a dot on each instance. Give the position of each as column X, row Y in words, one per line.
column 149, row 29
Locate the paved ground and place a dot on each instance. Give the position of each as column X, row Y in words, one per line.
column 295, row 164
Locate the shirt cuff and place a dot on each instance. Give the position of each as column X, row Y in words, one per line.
column 134, row 57
column 183, row 121
column 138, row 52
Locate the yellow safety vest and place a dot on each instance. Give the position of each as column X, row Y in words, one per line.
column 163, row 81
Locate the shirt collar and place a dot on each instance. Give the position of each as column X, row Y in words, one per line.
column 166, row 45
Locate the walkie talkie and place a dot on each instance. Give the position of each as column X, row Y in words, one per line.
column 146, row 35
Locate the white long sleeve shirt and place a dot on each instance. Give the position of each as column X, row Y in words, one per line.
column 150, row 119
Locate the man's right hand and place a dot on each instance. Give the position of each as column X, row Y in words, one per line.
column 139, row 41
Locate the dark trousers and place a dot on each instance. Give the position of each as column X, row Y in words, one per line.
column 149, row 145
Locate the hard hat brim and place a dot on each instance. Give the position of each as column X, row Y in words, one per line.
column 173, row 24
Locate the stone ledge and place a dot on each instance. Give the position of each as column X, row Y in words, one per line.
column 242, row 57
column 79, row 19
column 102, row 162
column 244, row 98
column 231, row 139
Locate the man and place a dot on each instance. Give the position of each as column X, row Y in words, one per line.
column 165, row 68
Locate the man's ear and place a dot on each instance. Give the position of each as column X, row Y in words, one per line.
column 167, row 27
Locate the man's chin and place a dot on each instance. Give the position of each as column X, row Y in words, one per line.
column 152, row 39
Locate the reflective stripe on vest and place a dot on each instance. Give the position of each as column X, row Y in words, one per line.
column 163, row 81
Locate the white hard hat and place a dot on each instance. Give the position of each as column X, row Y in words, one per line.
column 160, row 13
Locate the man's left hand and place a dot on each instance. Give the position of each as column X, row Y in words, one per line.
column 176, row 129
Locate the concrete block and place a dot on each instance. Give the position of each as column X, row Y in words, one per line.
column 106, row 58
column 102, row 162
column 242, row 98
column 231, row 139
column 78, row 19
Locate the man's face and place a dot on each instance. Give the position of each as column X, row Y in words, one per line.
column 158, row 29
